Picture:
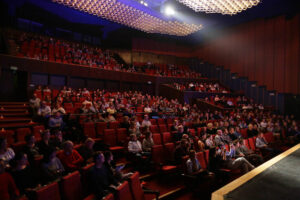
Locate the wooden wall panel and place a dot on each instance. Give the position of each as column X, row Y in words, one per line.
column 264, row 50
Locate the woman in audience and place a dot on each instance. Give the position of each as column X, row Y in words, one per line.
column 6, row 153
column 8, row 188
column 51, row 166
column 26, row 179
column 148, row 142
column 44, row 145
column 31, row 149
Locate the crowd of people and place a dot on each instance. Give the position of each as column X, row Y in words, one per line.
column 240, row 102
column 219, row 132
column 211, row 87
column 40, row 47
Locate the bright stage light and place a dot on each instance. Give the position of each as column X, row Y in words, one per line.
column 169, row 11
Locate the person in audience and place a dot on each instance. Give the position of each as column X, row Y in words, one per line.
column 193, row 165
column 34, row 104
column 251, row 132
column 110, row 118
column 146, row 122
column 25, row 178
column 210, row 142
column 31, row 150
column 232, row 134
column 58, row 140
column 134, row 145
column 56, row 121
column 234, row 162
column 101, row 180
column 262, row 144
column 52, row 168
column 243, row 151
column 125, row 123
column 70, row 158
column 8, row 188
column 114, row 170
column 44, row 112
column 44, row 145
column 219, row 139
column 181, row 150
column 58, row 108
column 6, row 153
column 177, row 136
column 87, row 150
column 148, row 142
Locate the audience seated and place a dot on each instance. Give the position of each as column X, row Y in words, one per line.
column 87, row 150
column 8, row 188
column 70, row 158
column 148, row 142
column 31, row 150
column 6, row 153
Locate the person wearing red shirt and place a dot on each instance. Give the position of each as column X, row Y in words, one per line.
column 8, row 188
column 70, row 158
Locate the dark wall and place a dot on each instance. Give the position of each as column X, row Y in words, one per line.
column 264, row 50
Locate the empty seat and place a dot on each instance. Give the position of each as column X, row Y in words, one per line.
column 100, row 127
column 9, row 135
column 154, row 129
column 37, row 130
column 48, row 192
column 89, row 129
column 71, row 186
column 21, row 133
column 153, row 121
column 161, row 121
column 163, row 128
column 159, row 160
column 157, row 138
column 114, row 125
column 123, row 192
column 122, row 135
column 252, row 143
column 269, row 137
column 110, row 139
column 167, row 138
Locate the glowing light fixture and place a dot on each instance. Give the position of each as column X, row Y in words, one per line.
column 225, row 7
column 117, row 11
column 169, row 11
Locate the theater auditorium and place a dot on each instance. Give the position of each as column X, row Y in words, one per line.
column 149, row 99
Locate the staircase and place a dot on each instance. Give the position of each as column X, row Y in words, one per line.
column 15, row 115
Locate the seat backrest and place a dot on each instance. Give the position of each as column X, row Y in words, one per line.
column 37, row 130
column 244, row 133
column 269, row 137
column 161, row 121
column 201, row 158
column 135, row 187
column 154, row 129
column 84, row 178
column 246, row 143
column 199, row 131
column 48, row 192
column 122, row 135
column 167, row 138
column 110, row 137
column 21, row 133
column 252, row 143
column 157, row 155
column 123, row 192
column 169, row 149
column 9, row 135
column 157, row 138
column 110, row 196
column 192, row 132
column 71, row 186
column 153, row 121
column 163, row 128
column 114, row 125
column 89, row 129
column 100, row 127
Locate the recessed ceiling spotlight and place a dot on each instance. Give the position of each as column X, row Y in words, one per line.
column 169, row 11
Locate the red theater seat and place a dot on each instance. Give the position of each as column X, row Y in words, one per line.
column 123, row 192
column 161, row 121
column 110, row 139
column 163, row 128
column 9, row 135
column 167, row 138
column 71, row 186
column 21, row 133
column 122, row 136
column 114, row 125
column 100, row 127
column 89, row 129
column 157, row 138
column 154, row 129
column 37, row 130
column 48, row 192
column 201, row 158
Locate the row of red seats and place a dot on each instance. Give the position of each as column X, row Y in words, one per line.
column 72, row 186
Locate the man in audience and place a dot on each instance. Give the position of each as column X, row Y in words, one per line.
column 262, row 144
column 70, row 158
column 146, row 122
column 243, row 151
column 100, row 180
column 87, row 150
column 31, row 149
column 56, row 121
column 44, row 145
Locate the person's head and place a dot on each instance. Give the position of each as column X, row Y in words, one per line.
column 148, row 135
column 180, row 129
column 231, row 130
column 219, row 132
column 58, row 134
column 183, row 143
column 49, row 155
column 89, row 143
column 3, row 144
column 250, row 127
column 30, row 140
column 260, row 134
column 57, row 114
column 21, row 159
column 99, row 158
column 146, row 117
column 185, row 136
column 108, row 156
column 68, row 147
column 46, row 135
column 192, row 154
column 133, row 137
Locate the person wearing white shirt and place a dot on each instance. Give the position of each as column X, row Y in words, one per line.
column 134, row 146
column 6, row 154
column 146, row 122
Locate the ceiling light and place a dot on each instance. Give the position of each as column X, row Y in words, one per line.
column 169, row 11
